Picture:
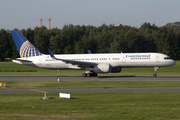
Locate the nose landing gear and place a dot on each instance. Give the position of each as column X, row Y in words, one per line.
column 155, row 71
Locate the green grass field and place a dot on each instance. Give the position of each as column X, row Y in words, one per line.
column 10, row 68
column 92, row 106
column 89, row 106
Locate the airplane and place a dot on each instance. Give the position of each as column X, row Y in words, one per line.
column 91, row 63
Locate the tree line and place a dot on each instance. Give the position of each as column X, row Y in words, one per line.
column 76, row 39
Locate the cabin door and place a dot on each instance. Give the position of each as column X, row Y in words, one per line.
column 124, row 59
column 157, row 58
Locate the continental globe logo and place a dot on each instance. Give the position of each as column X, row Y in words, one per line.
column 28, row 50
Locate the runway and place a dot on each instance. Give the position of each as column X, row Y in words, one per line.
column 80, row 78
column 91, row 90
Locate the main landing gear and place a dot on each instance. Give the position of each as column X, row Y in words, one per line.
column 89, row 74
column 155, row 71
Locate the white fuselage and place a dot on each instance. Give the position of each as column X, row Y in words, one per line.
column 113, row 59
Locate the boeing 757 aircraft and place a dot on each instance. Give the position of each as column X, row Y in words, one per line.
column 91, row 63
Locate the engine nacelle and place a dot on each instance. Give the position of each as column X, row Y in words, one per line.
column 116, row 69
column 102, row 68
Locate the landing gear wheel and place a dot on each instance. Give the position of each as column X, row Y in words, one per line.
column 154, row 75
column 94, row 74
column 88, row 75
column 84, row 75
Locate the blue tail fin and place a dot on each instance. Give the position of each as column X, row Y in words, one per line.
column 25, row 48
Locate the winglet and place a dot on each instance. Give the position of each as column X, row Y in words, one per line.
column 89, row 51
column 51, row 53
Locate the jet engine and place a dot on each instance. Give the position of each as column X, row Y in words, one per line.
column 102, row 68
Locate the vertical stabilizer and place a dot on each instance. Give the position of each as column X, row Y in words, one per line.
column 25, row 48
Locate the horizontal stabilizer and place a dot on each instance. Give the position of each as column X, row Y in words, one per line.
column 18, row 59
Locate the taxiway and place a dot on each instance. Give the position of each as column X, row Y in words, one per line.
column 80, row 78
column 91, row 90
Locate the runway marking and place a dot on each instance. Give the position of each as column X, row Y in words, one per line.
column 39, row 91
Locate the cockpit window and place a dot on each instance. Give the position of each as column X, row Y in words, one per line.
column 167, row 58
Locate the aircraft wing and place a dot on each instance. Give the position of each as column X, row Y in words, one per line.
column 79, row 63
column 73, row 62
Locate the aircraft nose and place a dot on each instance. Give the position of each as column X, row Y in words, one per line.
column 174, row 63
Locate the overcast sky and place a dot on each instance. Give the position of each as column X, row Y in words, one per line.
column 23, row 14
